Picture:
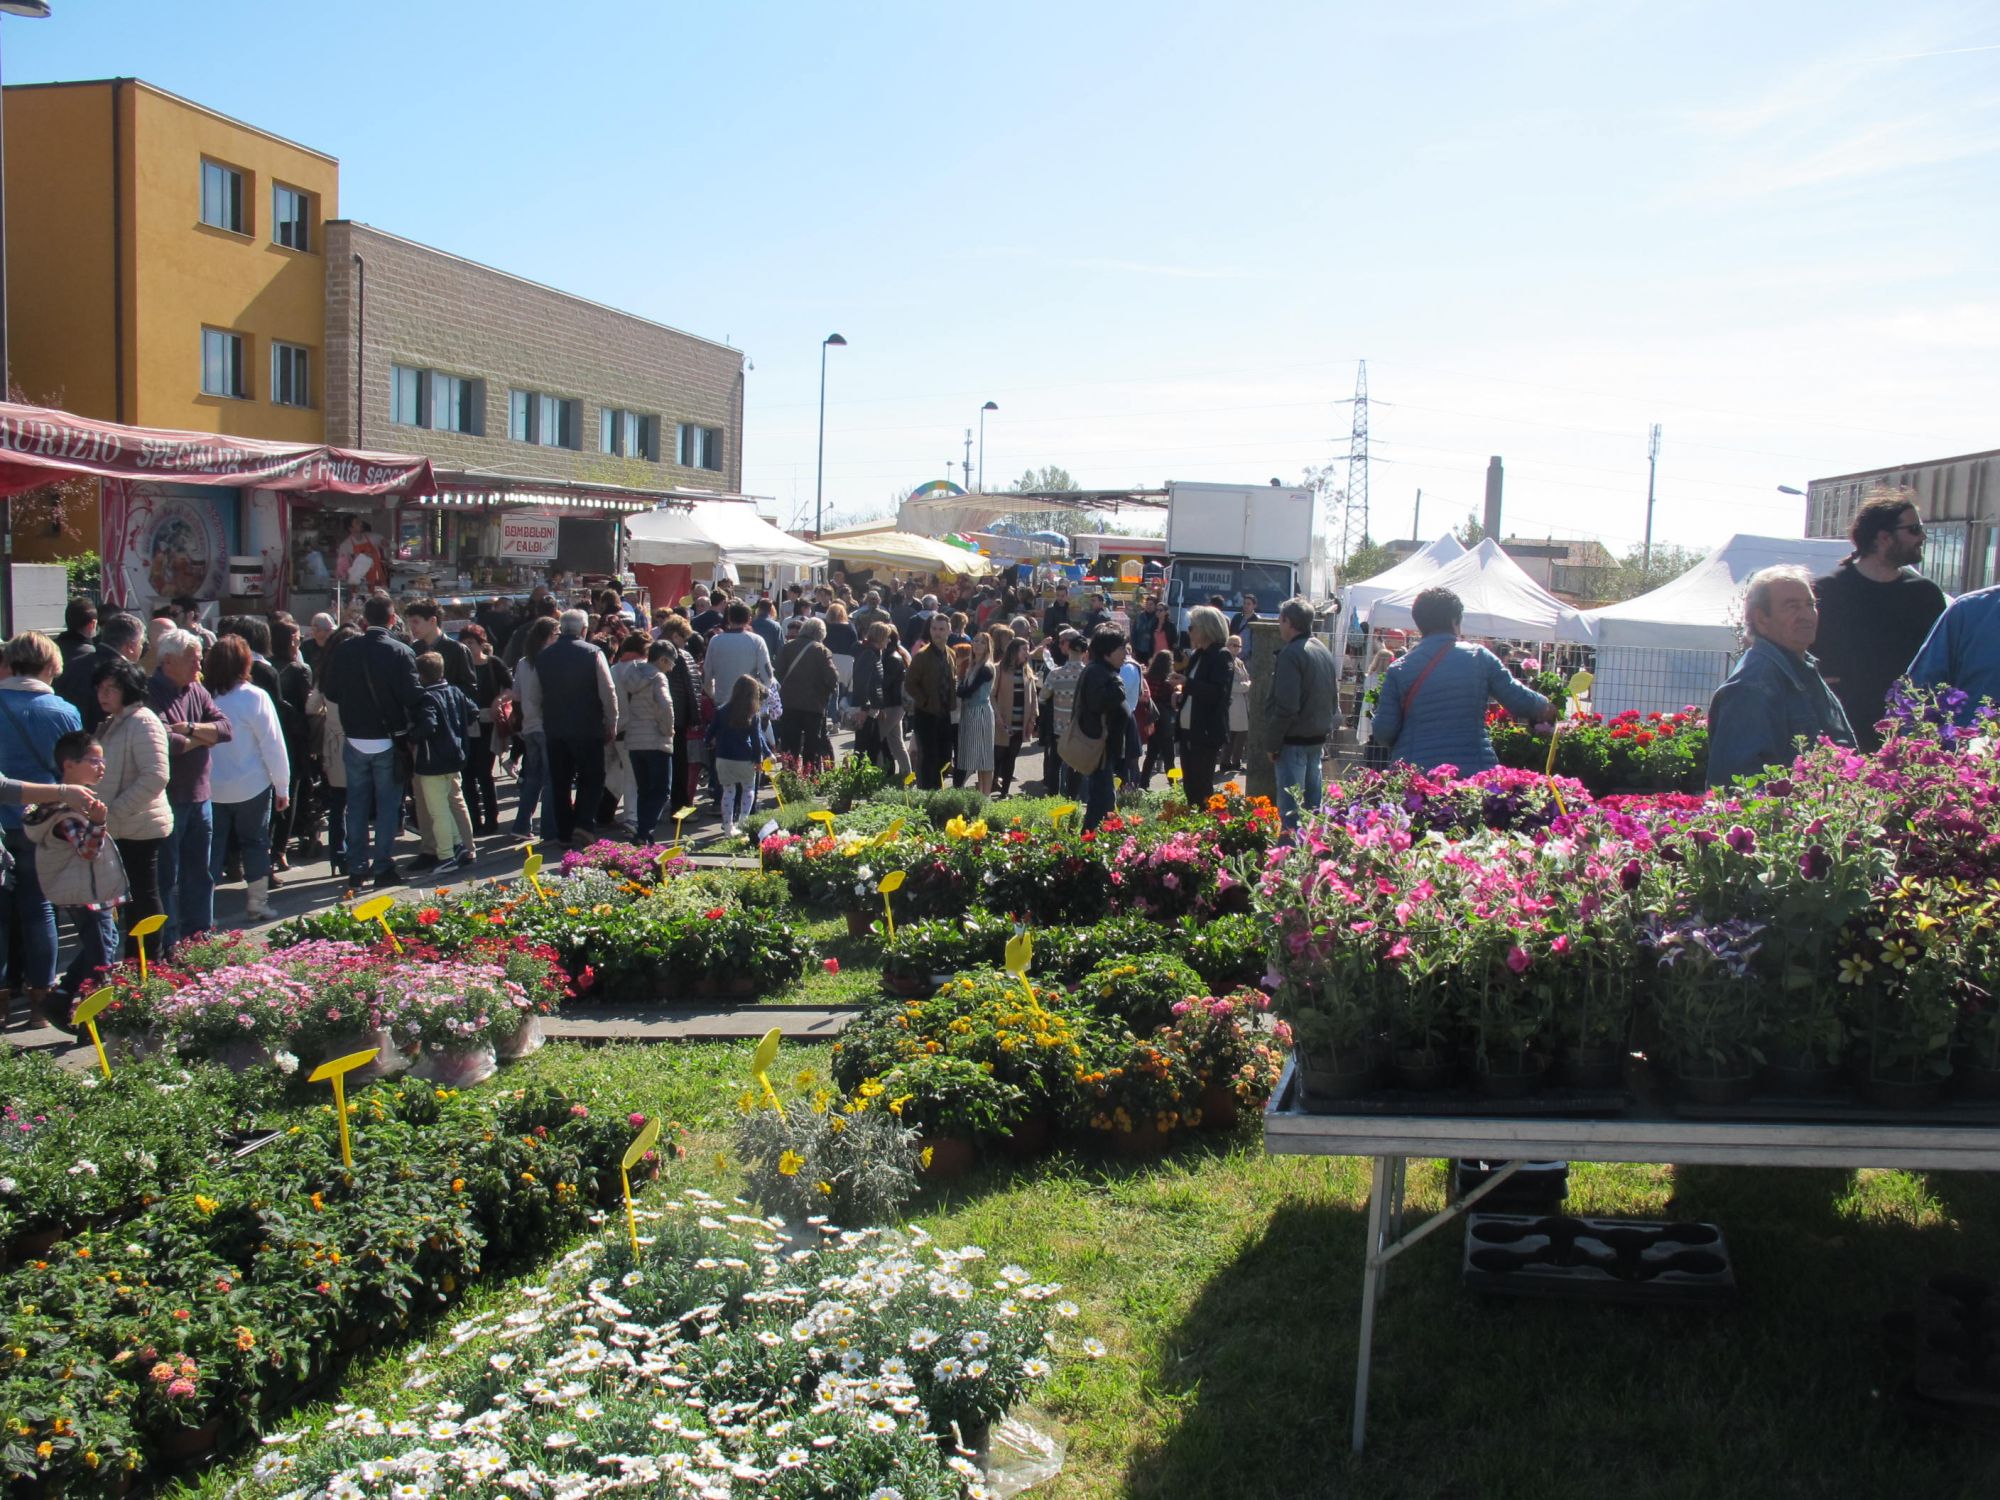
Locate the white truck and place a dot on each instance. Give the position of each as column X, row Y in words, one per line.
column 1233, row 539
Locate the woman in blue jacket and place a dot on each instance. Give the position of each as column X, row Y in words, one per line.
column 1432, row 708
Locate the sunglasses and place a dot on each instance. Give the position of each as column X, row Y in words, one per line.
column 1915, row 528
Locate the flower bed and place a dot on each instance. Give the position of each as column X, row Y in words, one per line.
column 218, row 1302
column 1630, row 751
column 717, row 1361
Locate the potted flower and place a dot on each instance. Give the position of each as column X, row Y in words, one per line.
column 1235, row 1063
column 1138, row 1093
column 1903, row 971
column 1705, row 1007
column 240, row 1015
column 1140, row 991
column 956, row 1106
column 924, row 953
column 451, row 1014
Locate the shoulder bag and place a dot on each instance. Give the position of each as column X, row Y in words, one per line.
column 1082, row 753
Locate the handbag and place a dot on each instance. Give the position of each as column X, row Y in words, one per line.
column 1082, row 753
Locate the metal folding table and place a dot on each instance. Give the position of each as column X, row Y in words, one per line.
column 1645, row 1135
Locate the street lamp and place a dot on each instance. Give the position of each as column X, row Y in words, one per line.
column 33, row 10
column 1786, row 489
column 989, row 406
column 832, row 340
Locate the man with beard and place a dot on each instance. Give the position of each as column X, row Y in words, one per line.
column 1875, row 610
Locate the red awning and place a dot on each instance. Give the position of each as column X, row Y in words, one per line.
column 39, row 444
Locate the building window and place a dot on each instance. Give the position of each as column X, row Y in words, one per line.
column 291, row 383
column 454, row 403
column 406, row 396
column 430, row 398
column 291, row 218
column 550, row 421
column 222, row 372
column 628, row 434
column 222, row 197
column 701, row 447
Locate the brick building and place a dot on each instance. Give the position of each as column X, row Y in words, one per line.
column 546, row 415
column 1959, row 499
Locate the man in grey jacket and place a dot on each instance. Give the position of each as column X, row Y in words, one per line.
column 1304, row 708
column 734, row 651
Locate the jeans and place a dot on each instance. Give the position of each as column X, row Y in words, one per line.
column 1100, row 793
column 374, row 805
column 1128, row 771
column 651, row 780
column 250, row 821
column 97, row 937
column 891, row 723
column 1298, row 766
column 578, row 763
column 535, row 788
column 800, row 731
column 935, row 746
column 187, row 889
column 24, row 900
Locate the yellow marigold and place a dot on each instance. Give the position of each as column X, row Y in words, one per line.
column 789, row 1163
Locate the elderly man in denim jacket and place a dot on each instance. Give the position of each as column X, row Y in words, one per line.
column 1775, row 697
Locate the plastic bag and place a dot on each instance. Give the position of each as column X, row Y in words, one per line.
column 1021, row 1451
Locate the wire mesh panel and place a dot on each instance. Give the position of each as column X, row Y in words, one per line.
column 1656, row 681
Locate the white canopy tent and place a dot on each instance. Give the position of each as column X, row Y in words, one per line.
column 903, row 552
column 1671, row 648
column 1415, row 569
column 711, row 533
column 1500, row 600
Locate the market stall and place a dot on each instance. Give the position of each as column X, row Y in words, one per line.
column 903, row 552
column 478, row 537
column 1501, row 601
column 668, row 549
column 196, row 513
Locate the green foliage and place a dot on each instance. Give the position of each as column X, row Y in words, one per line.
column 86, row 575
column 815, row 1158
column 1140, row 990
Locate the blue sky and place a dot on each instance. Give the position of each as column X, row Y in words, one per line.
column 1160, row 235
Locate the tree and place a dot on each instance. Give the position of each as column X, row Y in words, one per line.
column 1636, row 576
column 1366, row 561
column 1471, row 534
column 1048, row 477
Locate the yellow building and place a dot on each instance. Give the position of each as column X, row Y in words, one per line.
column 164, row 268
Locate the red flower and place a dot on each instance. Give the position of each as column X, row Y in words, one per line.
column 429, row 917
column 832, row 966
column 715, row 914
column 325, row 1288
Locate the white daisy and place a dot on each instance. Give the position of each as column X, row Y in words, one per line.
column 1094, row 1348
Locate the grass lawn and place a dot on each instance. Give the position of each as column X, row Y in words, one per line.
column 1226, row 1284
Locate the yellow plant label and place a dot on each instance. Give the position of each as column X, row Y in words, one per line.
column 335, row 1072
column 641, row 1144
column 86, row 1014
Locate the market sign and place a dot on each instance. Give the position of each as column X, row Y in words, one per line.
column 528, row 536
column 39, row 444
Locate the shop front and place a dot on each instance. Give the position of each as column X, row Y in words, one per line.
column 195, row 514
column 473, row 539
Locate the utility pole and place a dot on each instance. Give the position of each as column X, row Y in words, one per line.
column 1652, row 469
column 1417, row 518
column 1354, row 520
column 968, row 458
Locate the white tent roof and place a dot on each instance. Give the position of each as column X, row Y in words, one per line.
column 714, row 531
column 1702, row 610
column 1356, row 598
column 1500, row 600
column 888, row 548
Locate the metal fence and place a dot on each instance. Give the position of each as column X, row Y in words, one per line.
column 1652, row 680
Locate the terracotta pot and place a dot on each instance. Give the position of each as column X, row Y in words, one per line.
column 525, row 1042
column 186, row 1444
column 1138, row 1143
column 33, row 1244
column 1029, row 1137
column 1219, row 1106
column 860, row 923
column 951, row 1157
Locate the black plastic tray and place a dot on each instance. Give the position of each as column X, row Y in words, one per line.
column 1586, row 1104
column 1598, row 1260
